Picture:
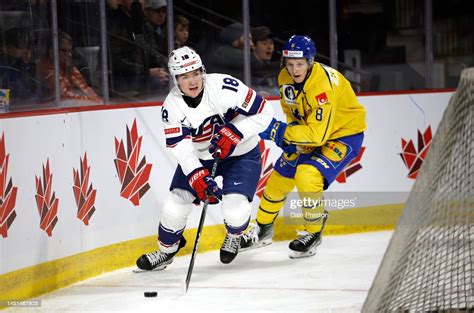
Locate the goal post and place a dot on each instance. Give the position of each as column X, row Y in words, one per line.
column 429, row 263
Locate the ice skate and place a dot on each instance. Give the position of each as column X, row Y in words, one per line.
column 230, row 247
column 257, row 235
column 158, row 260
column 155, row 261
column 305, row 245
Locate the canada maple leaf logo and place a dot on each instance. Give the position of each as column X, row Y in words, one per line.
column 46, row 200
column 266, row 169
column 413, row 157
column 84, row 194
column 133, row 174
column 7, row 192
column 351, row 168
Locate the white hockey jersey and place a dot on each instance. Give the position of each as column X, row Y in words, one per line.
column 188, row 131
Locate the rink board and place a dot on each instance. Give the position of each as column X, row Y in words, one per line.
column 120, row 220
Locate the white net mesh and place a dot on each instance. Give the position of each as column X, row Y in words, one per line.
column 428, row 265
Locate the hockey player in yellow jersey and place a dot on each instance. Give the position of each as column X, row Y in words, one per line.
column 322, row 134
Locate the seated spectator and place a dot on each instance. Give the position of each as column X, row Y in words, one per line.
column 136, row 66
column 72, row 83
column 264, row 70
column 181, row 31
column 229, row 56
column 112, row 5
column 155, row 26
column 16, row 70
column 156, row 42
column 112, row 10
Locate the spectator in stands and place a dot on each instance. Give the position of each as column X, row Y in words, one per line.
column 113, row 5
column 229, row 56
column 156, row 41
column 181, row 31
column 264, row 70
column 72, row 83
column 126, row 60
column 112, row 10
column 155, row 27
column 39, row 28
column 16, row 70
column 135, row 66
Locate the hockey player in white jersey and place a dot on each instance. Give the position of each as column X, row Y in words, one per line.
column 204, row 113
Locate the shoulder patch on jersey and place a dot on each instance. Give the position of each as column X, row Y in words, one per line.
column 248, row 98
column 172, row 130
column 289, row 94
column 332, row 74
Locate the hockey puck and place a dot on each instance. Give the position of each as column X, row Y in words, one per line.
column 150, row 294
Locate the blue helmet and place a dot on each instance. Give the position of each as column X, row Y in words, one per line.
column 299, row 47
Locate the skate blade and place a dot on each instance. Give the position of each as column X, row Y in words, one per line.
column 259, row 244
column 158, row 269
column 299, row 255
column 311, row 252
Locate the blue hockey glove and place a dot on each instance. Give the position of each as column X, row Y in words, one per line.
column 275, row 132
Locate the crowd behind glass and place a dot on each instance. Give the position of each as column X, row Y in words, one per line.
column 380, row 46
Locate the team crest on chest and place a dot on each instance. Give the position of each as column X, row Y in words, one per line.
column 205, row 131
column 289, row 94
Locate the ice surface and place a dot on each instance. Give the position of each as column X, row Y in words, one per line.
column 337, row 279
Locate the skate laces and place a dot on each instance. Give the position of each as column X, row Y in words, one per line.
column 157, row 257
column 231, row 243
column 252, row 233
column 305, row 237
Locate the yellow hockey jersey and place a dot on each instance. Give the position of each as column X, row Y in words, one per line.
column 325, row 108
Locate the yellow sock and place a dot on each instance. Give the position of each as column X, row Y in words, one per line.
column 274, row 197
column 310, row 182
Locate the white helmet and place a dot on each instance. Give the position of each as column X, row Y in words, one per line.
column 183, row 60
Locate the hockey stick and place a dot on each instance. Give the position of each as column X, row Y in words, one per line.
column 201, row 223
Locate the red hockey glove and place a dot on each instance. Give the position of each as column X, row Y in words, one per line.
column 226, row 138
column 203, row 184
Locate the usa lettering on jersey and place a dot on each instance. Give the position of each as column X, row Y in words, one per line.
column 205, row 131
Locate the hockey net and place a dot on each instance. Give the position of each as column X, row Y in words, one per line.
column 428, row 265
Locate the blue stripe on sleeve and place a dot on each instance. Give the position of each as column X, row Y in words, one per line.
column 170, row 142
column 255, row 106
